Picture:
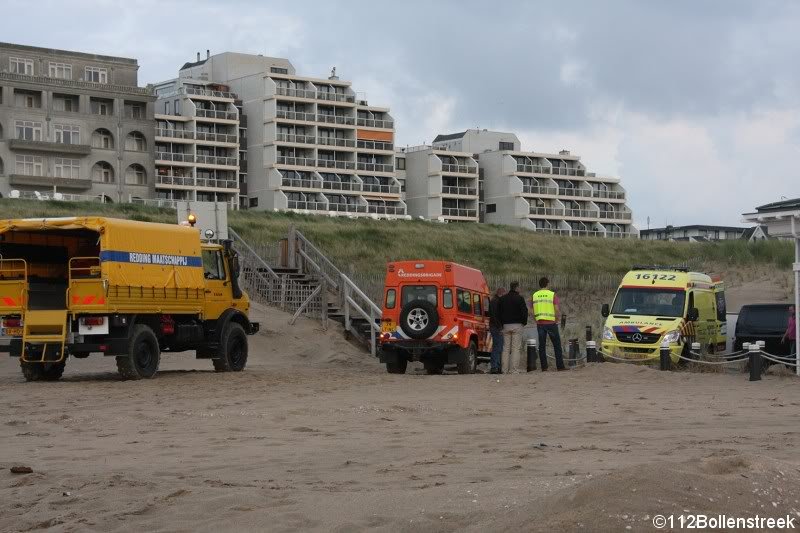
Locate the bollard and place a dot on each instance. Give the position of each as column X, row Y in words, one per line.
column 563, row 320
column 573, row 353
column 755, row 362
column 761, row 344
column 665, row 362
column 532, row 354
column 591, row 352
column 696, row 347
column 589, row 333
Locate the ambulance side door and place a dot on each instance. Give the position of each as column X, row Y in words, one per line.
column 218, row 292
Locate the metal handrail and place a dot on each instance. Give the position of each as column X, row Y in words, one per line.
column 252, row 252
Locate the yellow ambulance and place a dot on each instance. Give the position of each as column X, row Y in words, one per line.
column 656, row 304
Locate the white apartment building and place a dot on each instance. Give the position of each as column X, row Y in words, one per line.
column 197, row 142
column 312, row 145
column 545, row 192
column 440, row 184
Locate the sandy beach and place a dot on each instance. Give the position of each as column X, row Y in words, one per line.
column 315, row 436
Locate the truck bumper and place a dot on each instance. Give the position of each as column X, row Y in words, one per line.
column 420, row 351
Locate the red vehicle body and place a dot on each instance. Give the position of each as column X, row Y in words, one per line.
column 436, row 312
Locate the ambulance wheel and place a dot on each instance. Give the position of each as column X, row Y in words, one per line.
column 469, row 359
column 143, row 357
column 433, row 368
column 232, row 355
column 398, row 365
column 42, row 371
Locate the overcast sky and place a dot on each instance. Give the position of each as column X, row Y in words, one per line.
column 693, row 104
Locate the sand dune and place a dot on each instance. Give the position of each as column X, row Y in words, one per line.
column 314, row 435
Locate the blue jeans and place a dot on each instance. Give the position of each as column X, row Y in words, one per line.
column 497, row 348
column 550, row 330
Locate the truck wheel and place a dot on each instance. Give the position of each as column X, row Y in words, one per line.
column 42, row 371
column 433, row 368
column 398, row 366
column 141, row 361
column 232, row 355
column 469, row 359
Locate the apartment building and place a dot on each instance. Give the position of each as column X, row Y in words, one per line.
column 439, row 183
column 546, row 192
column 313, row 145
column 73, row 124
column 197, row 142
column 704, row 233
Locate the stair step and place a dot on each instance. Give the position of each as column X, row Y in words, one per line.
column 43, row 339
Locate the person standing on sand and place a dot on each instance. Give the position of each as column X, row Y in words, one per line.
column 546, row 311
column 791, row 332
column 513, row 316
column 496, row 330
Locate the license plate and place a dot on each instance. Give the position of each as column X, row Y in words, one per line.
column 388, row 327
column 12, row 332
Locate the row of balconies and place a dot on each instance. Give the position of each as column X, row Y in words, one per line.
column 347, row 120
column 585, row 233
column 315, row 95
column 197, row 135
column 542, row 169
column 460, row 191
column 340, row 186
column 460, row 169
column 189, row 181
column 199, row 159
column 213, row 113
column 575, row 192
column 579, row 213
column 334, row 141
column 208, row 92
column 331, row 163
column 459, row 212
column 312, row 205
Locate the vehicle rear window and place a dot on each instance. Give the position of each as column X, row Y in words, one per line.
column 763, row 320
column 464, row 299
column 447, row 298
column 409, row 293
column 476, row 304
column 391, row 296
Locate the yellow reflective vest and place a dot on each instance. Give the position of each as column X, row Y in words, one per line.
column 544, row 305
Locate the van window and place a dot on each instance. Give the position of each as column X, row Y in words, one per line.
column 409, row 293
column 464, row 299
column 447, row 298
column 391, row 296
column 476, row 304
column 691, row 301
column 213, row 267
column 649, row 302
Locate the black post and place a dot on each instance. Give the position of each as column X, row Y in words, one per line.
column 665, row 360
column 591, row 352
column 573, row 353
column 589, row 333
column 532, row 354
column 755, row 362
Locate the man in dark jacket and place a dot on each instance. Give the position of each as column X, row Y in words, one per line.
column 496, row 329
column 514, row 316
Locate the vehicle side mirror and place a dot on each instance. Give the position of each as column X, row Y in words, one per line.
column 693, row 315
column 605, row 311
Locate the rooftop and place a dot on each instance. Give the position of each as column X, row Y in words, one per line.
column 783, row 205
column 81, row 55
column 700, row 227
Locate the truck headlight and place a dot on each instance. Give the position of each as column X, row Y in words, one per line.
column 672, row 336
column 608, row 334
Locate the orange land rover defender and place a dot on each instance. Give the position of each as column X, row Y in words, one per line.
column 436, row 312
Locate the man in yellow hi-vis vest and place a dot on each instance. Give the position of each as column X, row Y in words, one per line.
column 546, row 312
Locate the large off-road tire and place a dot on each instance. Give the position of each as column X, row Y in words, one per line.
column 42, row 371
column 232, row 354
column 397, row 365
column 143, row 357
column 469, row 361
column 434, row 367
column 419, row 319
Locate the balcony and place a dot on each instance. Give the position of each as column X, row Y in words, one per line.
column 381, row 189
column 188, row 181
column 176, row 157
column 208, row 92
column 459, row 191
column 375, row 167
column 572, row 191
column 373, row 123
column 174, row 134
column 295, row 93
column 534, row 169
column 563, row 171
column 311, row 206
column 459, row 212
column 615, row 215
column 375, row 145
column 216, row 137
column 547, row 211
column 386, row 209
column 297, row 139
column 301, row 184
column 295, row 161
column 213, row 183
column 211, row 113
column 347, row 208
column 335, row 97
column 217, row 160
column 44, row 146
column 156, row 202
column 295, row 115
column 331, row 163
column 57, row 82
column 613, row 195
column 49, row 181
column 335, row 119
column 459, row 169
column 554, row 231
column 538, row 189
column 342, row 186
column 334, row 141
column 580, row 213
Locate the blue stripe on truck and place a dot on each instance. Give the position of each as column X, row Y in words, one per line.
column 143, row 258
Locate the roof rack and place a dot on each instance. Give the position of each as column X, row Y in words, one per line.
column 678, row 268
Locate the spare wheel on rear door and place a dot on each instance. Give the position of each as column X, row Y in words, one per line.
column 419, row 319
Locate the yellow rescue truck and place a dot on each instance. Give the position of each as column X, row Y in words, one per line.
column 656, row 304
column 81, row 285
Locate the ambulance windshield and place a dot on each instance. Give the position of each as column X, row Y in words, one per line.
column 649, row 302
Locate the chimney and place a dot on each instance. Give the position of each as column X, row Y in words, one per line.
column 208, row 54
column 564, row 152
column 198, row 57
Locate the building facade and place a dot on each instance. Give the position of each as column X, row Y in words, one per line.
column 74, row 125
column 440, row 184
column 701, row 233
column 197, row 142
column 552, row 193
column 312, row 144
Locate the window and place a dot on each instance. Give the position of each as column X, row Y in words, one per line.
column 391, row 297
column 30, row 165
column 18, row 65
column 61, row 71
column 506, row 145
column 401, row 163
column 213, row 267
column 102, row 138
column 101, row 106
column 279, row 70
column 96, row 75
column 135, row 175
column 65, row 102
column 29, row 131
column 29, row 99
column 253, row 202
column 134, row 110
column 67, row 134
column 167, row 107
column 103, row 172
column 135, row 142
column 464, row 299
column 476, row 304
column 67, row 168
column 649, row 302
column 491, row 208
column 410, row 293
column 447, row 298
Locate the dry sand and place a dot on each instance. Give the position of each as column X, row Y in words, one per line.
column 314, row 435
